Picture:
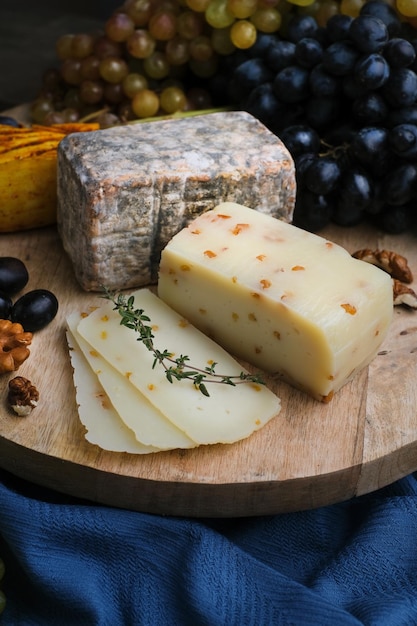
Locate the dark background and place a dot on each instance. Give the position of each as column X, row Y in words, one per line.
column 28, row 32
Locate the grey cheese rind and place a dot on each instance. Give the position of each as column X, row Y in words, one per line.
column 124, row 192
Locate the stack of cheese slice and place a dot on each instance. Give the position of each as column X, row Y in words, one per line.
column 126, row 404
column 287, row 301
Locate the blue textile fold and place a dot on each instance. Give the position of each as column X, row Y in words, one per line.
column 73, row 563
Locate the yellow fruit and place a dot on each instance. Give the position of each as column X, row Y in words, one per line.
column 28, row 174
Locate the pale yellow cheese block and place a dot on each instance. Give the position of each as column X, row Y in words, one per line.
column 288, row 301
column 103, row 426
column 150, row 426
column 229, row 414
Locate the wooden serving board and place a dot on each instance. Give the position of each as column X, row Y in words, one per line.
column 310, row 455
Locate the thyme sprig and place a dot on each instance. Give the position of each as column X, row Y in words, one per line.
column 176, row 368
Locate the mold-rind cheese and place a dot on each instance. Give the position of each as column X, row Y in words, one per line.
column 288, row 301
column 124, row 192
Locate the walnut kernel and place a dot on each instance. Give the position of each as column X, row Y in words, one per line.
column 22, row 396
column 393, row 263
column 404, row 295
column 13, row 345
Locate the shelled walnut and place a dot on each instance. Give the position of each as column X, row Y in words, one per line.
column 403, row 294
column 22, row 396
column 395, row 264
column 14, row 342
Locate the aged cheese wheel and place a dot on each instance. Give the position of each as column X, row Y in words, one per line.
column 124, row 192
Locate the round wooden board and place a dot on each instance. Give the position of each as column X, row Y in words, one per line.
column 310, row 455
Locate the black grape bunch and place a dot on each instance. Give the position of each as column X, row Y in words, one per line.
column 343, row 99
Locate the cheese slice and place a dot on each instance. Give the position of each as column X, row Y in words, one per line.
column 290, row 302
column 101, row 421
column 228, row 414
column 149, row 425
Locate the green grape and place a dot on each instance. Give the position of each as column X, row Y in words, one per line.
column 189, row 24
column 133, row 83
column 243, row 34
column 172, row 99
column 163, row 25
column 82, row 46
column 221, row 42
column 145, row 103
column 408, row 8
column 242, row 8
column 104, row 47
column 71, row 71
column 54, row 117
column 156, row 66
column 268, row 20
column 113, row 69
column 119, row 27
column 139, row 11
column 140, row 44
column 107, row 119
column 198, row 5
column 325, row 10
column 91, row 91
column 176, row 51
column 51, row 81
column 218, row 15
column 201, row 48
column 70, row 115
column 351, row 7
column 63, row 47
column 89, row 68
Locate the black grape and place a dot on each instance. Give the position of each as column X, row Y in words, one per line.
column 368, row 33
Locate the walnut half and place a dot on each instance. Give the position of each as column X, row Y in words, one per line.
column 22, row 396
column 14, row 342
column 395, row 264
column 403, row 294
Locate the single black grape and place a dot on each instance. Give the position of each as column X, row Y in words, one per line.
column 370, row 109
column 400, row 90
column 302, row 162
column 301, row 26
column 399, row 52
column 280, row 55
column 385, row 12
column 369, row 146
column 322, row 176
column 263, row 104
column 340, row 58
column 5, row 306
column 400, row 184
column 35, row 309
column 291, row 84
column 368, row 33
column 402, row 140
column 355, row 194
column 300, row 139
column 372, row 71
column 312, row 212
column 322, row 83
column 13, row 275
column 338, row 26
column 308, row 52
column 246, row 77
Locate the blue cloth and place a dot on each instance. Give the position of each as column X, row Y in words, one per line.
column 71, row 563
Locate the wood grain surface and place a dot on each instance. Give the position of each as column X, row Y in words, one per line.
column 311, row 455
